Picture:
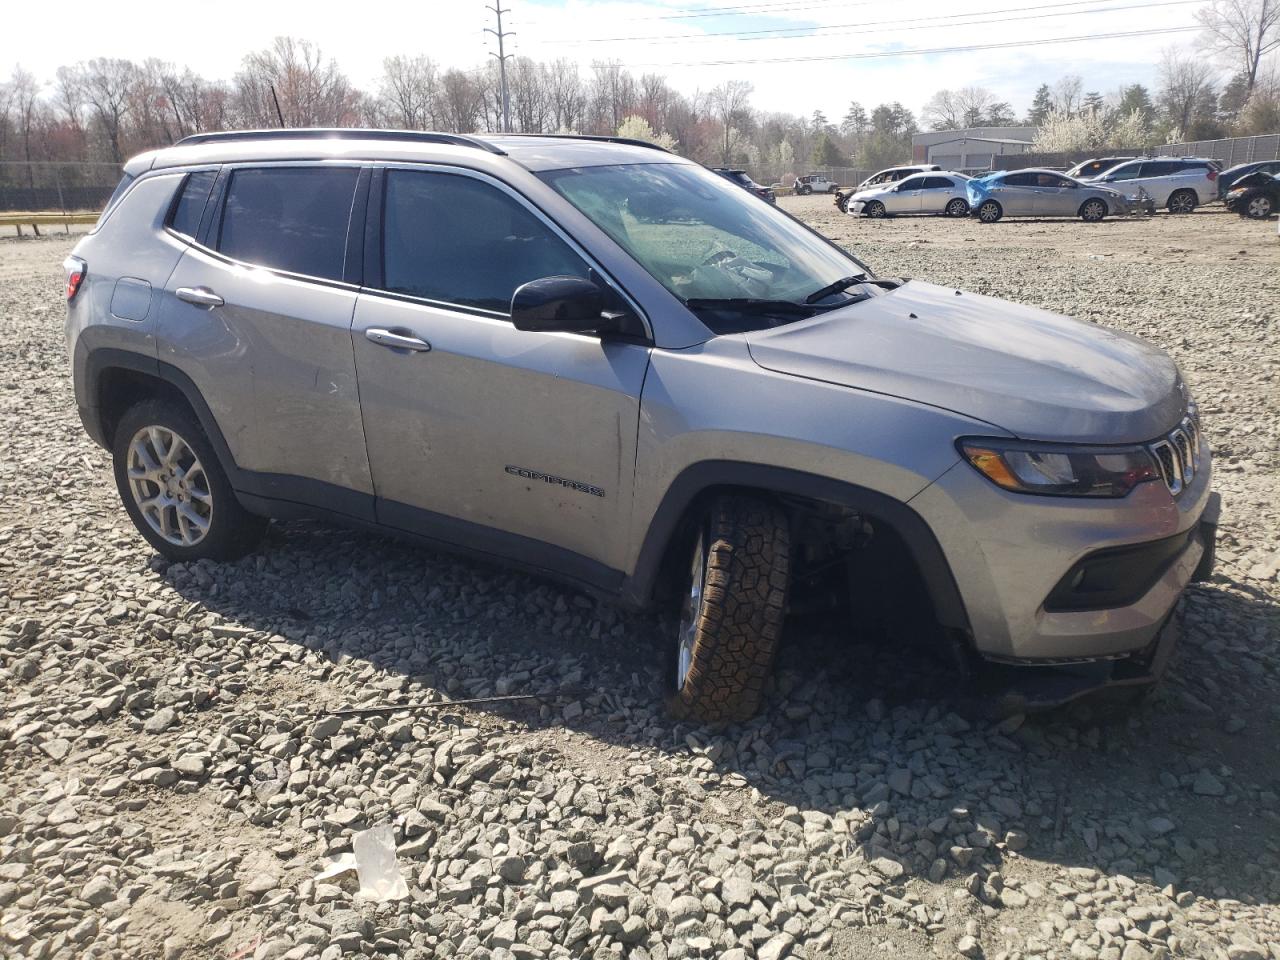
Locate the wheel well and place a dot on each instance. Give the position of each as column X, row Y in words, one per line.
column 119, row 388
column 835, row 550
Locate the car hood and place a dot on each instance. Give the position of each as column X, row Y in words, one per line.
column 1033, row 373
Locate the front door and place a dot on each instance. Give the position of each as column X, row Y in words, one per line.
column 500, row 439
column 905, row 197
column 1056, row 197
column 1016, row 194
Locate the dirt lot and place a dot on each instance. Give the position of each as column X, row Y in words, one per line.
column 170, row 783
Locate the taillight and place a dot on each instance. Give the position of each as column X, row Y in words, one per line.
column 77, row 270
column 1213, row 174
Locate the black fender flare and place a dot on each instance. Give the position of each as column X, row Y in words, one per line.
column 697, row 478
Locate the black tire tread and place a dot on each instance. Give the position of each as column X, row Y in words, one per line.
column 743, row 606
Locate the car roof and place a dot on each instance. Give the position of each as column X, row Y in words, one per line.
column 534, row 153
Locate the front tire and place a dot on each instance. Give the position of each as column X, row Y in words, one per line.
column 875, row 210
column 805, row 191
column 1182, row 201
column 989, row 211
column 1259, row 207
column 732, row 610
column 1091, row 211
column 175, row 490
column 957, row 208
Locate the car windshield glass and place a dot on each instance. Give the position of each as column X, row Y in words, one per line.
column 704, row 239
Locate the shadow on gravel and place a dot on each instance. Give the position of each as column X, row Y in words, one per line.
column 1179, row 791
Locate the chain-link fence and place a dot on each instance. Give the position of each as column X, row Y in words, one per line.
column 1229, row 152
column 47, row 186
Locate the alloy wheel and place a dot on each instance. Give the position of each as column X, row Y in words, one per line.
column 1094, row 210
column 957, row 208
column 169, row 486
column 988, row 213
column 687, row 635
column 1259, row 207
column 1182, row 202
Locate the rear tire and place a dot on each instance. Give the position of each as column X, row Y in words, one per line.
column 989, row 211
column 957, row 208
column 1182, row 201
column 732, row 611
column 875, row 210
column 175, row 490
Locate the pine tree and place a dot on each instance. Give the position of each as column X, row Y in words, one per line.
column 1093, row 102
column 1041, row 105
column 826, row 153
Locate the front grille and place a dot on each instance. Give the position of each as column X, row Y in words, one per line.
column 1178, row 454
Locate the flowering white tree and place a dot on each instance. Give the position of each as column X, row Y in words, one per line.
column 1067, row 131
column 1133, row 129
column 637, row 128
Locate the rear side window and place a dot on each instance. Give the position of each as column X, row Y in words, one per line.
column 938, row 183
column 1162, row 168
column 289, row 218
column 189, row 207
column 1127, row 172
column 458, row 240
column 1020, row 180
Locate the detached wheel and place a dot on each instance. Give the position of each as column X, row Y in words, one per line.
column 1259, row 207
column 957, row 208
column 1091, row 211
column 731, row 611
column 1182, row 201
column 874, row 209
column 174, row 489
column 989, row 211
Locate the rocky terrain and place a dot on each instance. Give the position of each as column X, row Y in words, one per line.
column 173, row 777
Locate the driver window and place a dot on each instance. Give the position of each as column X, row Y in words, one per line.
column 455, row 239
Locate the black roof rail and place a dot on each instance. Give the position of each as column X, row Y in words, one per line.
column 629, row 141
column 340, row 133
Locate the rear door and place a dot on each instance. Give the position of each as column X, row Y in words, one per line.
column 504, row 440
column 258, row 314
column 1016, row 194
column 937, row 192
column 1158, row 178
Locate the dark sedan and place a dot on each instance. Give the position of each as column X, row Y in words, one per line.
column 743, row 179
column 1255, row 195
column 1232, row 175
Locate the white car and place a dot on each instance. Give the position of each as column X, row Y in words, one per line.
column 922, row 193
column 815, row 183
column 1178, row 183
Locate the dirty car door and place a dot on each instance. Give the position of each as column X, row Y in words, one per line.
column 500, row 439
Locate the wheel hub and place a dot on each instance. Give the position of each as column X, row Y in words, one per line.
column 169, row 486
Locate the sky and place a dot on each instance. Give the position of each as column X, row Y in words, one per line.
column 675, row 37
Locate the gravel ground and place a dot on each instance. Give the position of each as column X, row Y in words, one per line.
column 171, row 782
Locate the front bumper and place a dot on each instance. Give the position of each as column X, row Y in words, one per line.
column 1009, row 552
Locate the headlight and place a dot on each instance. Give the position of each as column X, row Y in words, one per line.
column 1061, row 470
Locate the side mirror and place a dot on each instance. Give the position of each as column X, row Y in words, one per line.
column 566, row 304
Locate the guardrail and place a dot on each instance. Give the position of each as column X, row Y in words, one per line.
column 37, row 220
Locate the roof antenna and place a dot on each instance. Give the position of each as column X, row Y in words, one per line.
column 276, row 100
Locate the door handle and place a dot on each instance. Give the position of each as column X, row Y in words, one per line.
column 397, row 341
column 200, row 296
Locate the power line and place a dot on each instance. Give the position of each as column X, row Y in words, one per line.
column 805, row 32
column 889, row 54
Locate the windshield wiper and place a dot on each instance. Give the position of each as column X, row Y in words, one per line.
column 844, row 283
column 748, row 305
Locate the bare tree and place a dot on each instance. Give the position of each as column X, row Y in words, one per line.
column 310, row 89
column 1186, row 81
column 1242, row 31
column 24, row 97
column 409, row 89
column 1067, row 92
column 729, row 102
column 566, row 96
column 528, row 87
column 461, row 101
column 107, row 85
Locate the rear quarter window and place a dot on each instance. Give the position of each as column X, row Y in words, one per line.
column 189, row 205
column 289, row 218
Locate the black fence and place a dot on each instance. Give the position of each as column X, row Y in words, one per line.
column 1228, row 152
column 56, row 187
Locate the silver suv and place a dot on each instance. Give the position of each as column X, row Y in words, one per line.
column 601, row 362
column 1178, row 183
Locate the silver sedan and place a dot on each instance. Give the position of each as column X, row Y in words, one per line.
column 1042, row 193
column 934, row 192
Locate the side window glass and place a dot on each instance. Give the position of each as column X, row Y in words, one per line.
column 187, row 212
column 289, row 218
column 455, row 239
column 1020, row 180
column 1127, row 173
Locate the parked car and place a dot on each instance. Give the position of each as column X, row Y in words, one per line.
column 927, row 193
column 882, row 177
column 1041, row 193
column 1179, row 184
column 742, row 179
column 1095, row 168
column 602, row 362
column 814, row 183
column 1229, row 177
column 1255, row 195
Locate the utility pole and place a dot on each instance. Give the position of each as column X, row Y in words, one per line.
column 503, row 57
